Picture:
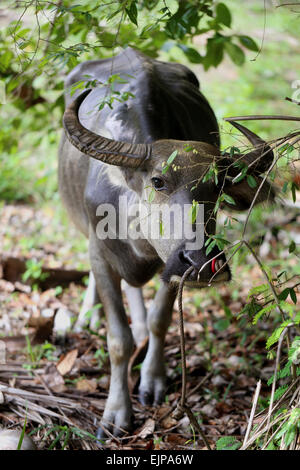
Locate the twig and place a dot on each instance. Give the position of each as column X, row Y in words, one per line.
column 264, row 32
column 182, row 407
column 274, row 433
column 263, row 182
column 275, row 376
column 259, row 431
column 254, row 404
column 40, row 377
column 199, row 385
column 254, row 117
column 59, row 4
column 288, row 4
column 181, row 327
column 267, row 278
column 275, row 298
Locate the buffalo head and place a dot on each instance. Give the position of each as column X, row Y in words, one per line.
column 146, row 171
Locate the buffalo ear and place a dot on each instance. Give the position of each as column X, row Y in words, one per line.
column 243, row 194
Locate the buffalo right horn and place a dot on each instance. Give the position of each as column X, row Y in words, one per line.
column 258, row 160
column 261, row 157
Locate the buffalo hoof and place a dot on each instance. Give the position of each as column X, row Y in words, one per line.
column 153, row 394
column 113, row 427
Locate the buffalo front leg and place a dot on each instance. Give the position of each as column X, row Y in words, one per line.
column 153, row 376
column 137, row 312
column 117, row 416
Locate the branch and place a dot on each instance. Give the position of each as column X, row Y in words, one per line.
column 261, row 117
column 254, row 404
column 52, row 27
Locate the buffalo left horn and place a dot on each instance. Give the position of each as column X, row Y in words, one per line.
column 101, row 148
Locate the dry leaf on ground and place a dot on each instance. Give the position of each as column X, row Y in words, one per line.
column 67, row 361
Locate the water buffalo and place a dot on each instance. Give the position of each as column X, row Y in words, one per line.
column 153, row 148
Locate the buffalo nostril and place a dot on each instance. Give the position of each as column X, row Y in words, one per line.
column 219, row 264
column 216, row 265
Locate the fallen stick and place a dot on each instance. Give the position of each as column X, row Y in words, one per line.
column 13, row 269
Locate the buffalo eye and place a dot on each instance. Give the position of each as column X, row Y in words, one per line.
column 158, row 183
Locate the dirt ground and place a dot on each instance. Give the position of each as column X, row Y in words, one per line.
column 60, row 388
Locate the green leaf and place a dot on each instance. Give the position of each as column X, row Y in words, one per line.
column 276, row 334
column 228, row 443
column 292, row 247
column 294, row 351
column 241, row 176
column 23, row 432
column 233, row 150
column 290, row 435
column 264, row 310
column 222, row 324
column 284, row 294
column 223, row 14
column 172, row 157
column 194, row 211
column 235, row 53
column 151, row 195
column 191, row 54
column 294, row 187
column 132, row 13
column 169, row 161
column 280, row 391
column 211, row 245
column 188, row 148
column 228, row 199
column 211, row 174
column 251, row 181
column 285, row 187
column 293, row 295
column 271, row 446
column 249, row 43
column 281, row 273
column 214, row 52
column 161, row 228
column 228, row 312
column 258, row 290
column 221, row 243
column 5, row 60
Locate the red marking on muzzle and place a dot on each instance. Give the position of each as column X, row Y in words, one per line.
column 213, row 265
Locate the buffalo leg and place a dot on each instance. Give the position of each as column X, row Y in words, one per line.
column 137, row 311
column 153, row 375
column 117, row 416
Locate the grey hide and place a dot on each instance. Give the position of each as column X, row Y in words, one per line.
column 121, row 152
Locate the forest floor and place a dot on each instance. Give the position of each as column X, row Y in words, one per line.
column 61, row 388
column 56, row 391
